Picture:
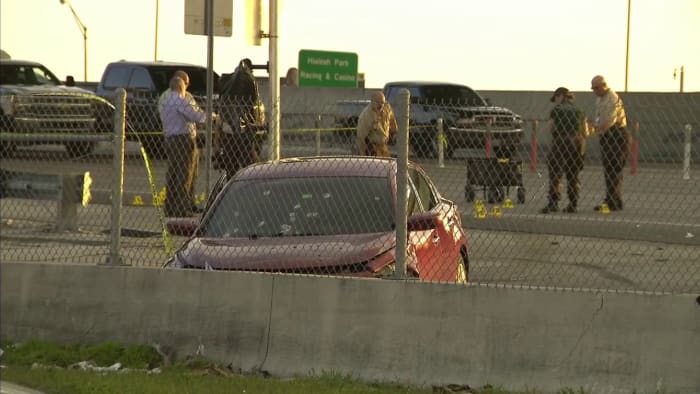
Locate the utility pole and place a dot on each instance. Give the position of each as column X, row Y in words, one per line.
column 627, row 50
column 83, row 30
column 682, row 76
column 155, row 48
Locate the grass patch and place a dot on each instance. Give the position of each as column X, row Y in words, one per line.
column 53, row 369
column 105, row 354
column 173, row 381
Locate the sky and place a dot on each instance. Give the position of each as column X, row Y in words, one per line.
column 486, row 44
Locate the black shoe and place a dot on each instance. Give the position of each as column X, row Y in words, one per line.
column 549, row 208
column 196, row 210
column 570, row 209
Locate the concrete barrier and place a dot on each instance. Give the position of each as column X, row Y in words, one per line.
column 415, row 333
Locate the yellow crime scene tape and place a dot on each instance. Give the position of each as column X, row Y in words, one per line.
column 167, row 240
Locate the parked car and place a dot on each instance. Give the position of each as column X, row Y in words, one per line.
column 144, row 82
column 35, row 104
column 326, row 216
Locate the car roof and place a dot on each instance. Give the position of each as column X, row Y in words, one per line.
column 20, row 62
column 353, row 101
column 421, row 83
column 334, row 166
column 158, row 63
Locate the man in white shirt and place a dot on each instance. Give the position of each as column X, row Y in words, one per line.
column 180, row 116
column 611, row 124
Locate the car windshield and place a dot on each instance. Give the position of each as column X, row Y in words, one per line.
column 26, row 74
column 450, row 94
column 302, row 207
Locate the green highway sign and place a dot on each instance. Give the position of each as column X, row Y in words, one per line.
column 330, row 69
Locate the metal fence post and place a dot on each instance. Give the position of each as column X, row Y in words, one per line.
column 488, row 144
column 634, row 148
column 533, row 146
column 117, row 177
column 67, row 207
column 441, row 143
column 402, row 117
column 317, row 123
column 686, row 152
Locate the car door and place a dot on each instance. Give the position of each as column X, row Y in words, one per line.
column 438, row 246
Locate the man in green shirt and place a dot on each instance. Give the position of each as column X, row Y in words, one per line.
column 567, row 124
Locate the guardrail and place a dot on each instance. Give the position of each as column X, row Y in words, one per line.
column 68, row 190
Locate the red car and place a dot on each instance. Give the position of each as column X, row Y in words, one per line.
column 325, row 216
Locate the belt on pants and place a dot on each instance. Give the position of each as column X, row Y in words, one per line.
column 617, row 127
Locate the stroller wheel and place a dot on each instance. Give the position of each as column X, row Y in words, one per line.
column 496, row 194
column 521, row 195
column 469, row 193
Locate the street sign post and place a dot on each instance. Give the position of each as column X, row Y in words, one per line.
column 196, row 17
column 210, row 18
column 329, row 69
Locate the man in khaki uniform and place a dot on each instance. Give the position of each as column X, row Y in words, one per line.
column 611, row 124
column 375, row 126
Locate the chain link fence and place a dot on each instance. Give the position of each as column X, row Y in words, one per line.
column 492, row 165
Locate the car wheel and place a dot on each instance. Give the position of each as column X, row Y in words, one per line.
column 462, row 275
column 469, row 193
column 79, row 148
column 495, row 194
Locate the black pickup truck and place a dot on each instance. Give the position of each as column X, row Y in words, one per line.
column 37, row 106
column 144, row 82
column 468, row 119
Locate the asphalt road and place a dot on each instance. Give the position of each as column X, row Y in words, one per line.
column 660, row 205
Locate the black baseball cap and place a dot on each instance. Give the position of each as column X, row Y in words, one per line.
column 562, row 91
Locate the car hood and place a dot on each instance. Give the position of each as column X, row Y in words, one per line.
column 41, row 89
column 469, row 112
column 285, row 254
column 483, row 117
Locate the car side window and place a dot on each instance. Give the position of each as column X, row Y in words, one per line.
column 390, row 93
column 140, row 79
column 419, row 193
column 116, row 78
column 43, row 77
column 22, row 76
column 424, row 191
column 413, row 205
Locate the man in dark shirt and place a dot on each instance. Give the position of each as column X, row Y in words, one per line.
column 239, row 99
column 567, row 123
